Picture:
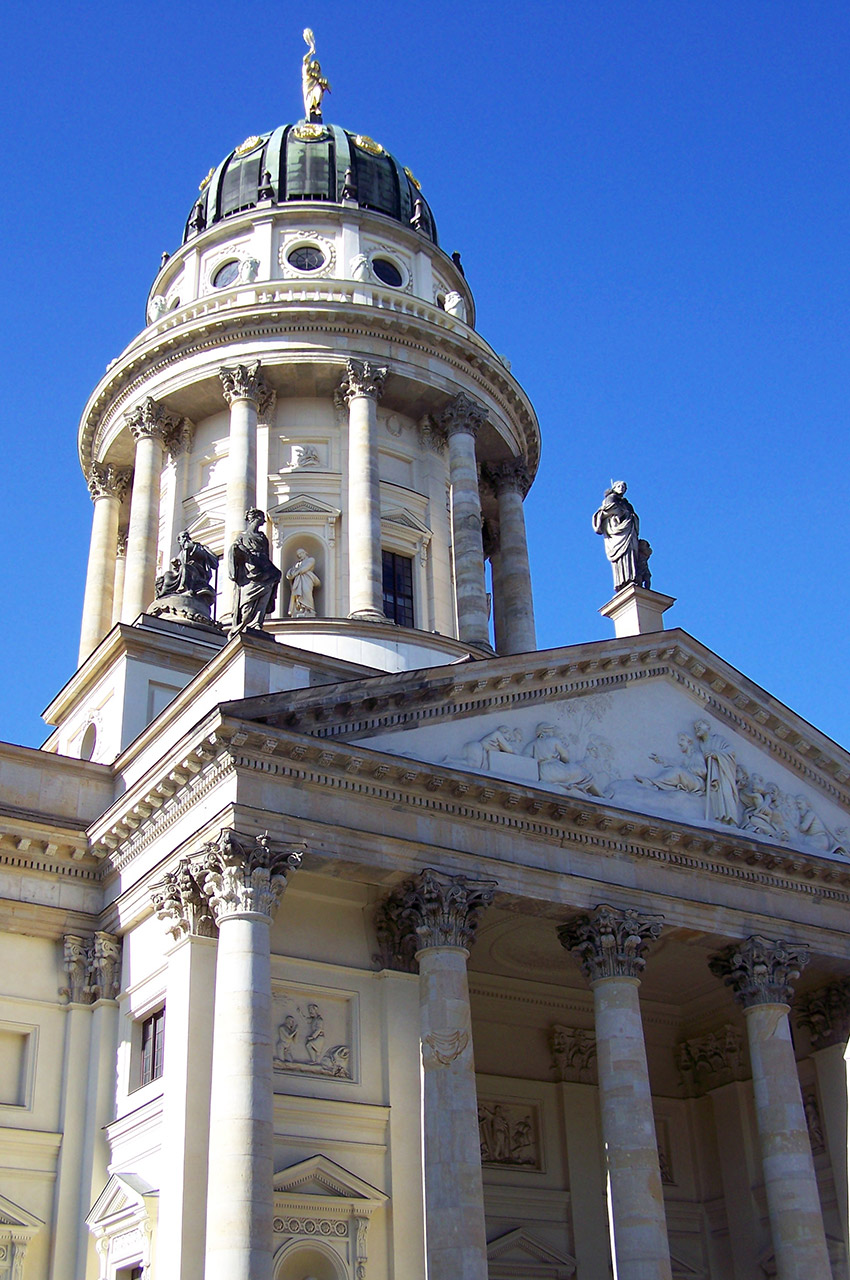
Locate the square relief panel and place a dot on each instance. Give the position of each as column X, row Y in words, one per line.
column 315, row 1032
column 305, row 455
column 510, row 1134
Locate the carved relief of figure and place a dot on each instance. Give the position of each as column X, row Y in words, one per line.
column 721, row 780
column 555, row 765
column 504, row 738
column 501, row 1131
column 286, row 1034
column 359, row 267
column 813, row 1122
column 315, row 1041
column 254, row 576
column 687, row 774
column 762, row 803
column 302, row 582
column 811, row 826
column 313, row 83
column 484, row 1133
column 304, row 455
column 523, row 1144
column 248, row 269
column 617, row 522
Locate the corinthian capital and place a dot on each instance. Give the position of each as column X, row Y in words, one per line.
column 93, row 965
column 106, row 481
column 610, row 943
column 246, row 382
column 179, row 901
column 462, row 414
column 510, row 474
column 760, row 971
column 443, row 910
column 150, row 420
column 825, row 1014
column 243, row 875
column 76, row 965
column 362, row 379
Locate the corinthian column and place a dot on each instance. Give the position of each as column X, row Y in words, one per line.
column 361, row 389
column 107, row 486
column 609, row 945
column 512, row 584
column 149, row 422
column 461, row 420
column 437, row 916
column 761, row 973
column 243, row 879
column 247, row 392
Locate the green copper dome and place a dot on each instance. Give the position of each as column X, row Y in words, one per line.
column 311, row 162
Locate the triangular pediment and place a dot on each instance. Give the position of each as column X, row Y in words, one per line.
column 302, row 504
column 521, row 1254
column 123, row 1196
column 660, row 728
column 321, row 1177
column 684, row 1270
column 407, row 520
column 14, row 1217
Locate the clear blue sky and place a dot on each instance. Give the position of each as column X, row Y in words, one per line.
column 651, row 200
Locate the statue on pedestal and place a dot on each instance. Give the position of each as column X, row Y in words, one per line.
column 302, row 583
column 617, row 522
column 253, row 574
column 185, row 590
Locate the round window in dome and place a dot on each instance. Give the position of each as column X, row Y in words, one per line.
column 387, row 272
column 306, row 258
column 226, row 275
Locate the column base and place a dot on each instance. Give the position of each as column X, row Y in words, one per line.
column 635, row 611
column 368, row 615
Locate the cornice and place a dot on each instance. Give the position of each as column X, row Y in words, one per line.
column 135, row 371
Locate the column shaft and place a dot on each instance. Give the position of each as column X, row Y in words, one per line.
column 832, row 1086
column 454, row 1195
column 467, row 544
column 120, row 577
column 364, row 511
column 516, row 604
column 241, row 467
column 628, row 1129
column 143, row 533
column 100, row 577
column 793, row 1204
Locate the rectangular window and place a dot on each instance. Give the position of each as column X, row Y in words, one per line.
column 153, row 1041
column 398, row 588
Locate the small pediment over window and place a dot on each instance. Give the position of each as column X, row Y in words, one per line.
column 521, row 1256
column 319, row 1176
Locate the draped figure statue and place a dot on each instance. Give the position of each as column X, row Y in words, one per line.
column 617, row 522
column 255, row 579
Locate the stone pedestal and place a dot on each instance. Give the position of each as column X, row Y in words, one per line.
column 609, row 945
column 635, row 611
column 248, row 394
column 149, row 423
column 243, row 880
column 443, row 912
column 461, row 420
column 512, row 599
column 107, row 486
column 761, row 973
column 361, row 389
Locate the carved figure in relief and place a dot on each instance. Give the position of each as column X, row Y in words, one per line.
column 504, row 1139
column 315, row 1042
column 617, row 522
column 286, row 1034
column 504, row 738
column 721, row 780
column 813, row 1122
column 304, row 455
column 811, row 826
column 359, row 267
column 555, row 765
column 501, row 1133
column 687, row 774
column 248, row 270
column 762, row 805
column 254, row 576
column 300, row 1046
column 314, row 84
column 302, row 583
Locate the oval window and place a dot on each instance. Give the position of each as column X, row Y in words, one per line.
column 89, row 742
column 387, row 272
column 226, row 275
column 306, row 258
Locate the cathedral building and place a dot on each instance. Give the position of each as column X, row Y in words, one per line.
column 347, row 935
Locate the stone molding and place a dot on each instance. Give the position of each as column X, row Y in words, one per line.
column 709, row 1061
column 503, row 476
column 93, row 965
column 432, row 909
column 462, row 414
column 825, row 1014
column 573, row 1053
column 759, row 970
column 243, row 875
column 179, row 901
column 150, row 420
column 107, row 481
column 246, row 382
column 610, row 943
column 362, row 378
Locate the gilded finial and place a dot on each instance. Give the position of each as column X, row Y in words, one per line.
column 313, row 83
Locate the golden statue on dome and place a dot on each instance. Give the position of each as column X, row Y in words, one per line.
column 313, row 83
